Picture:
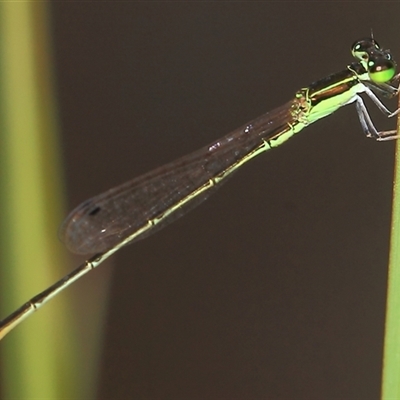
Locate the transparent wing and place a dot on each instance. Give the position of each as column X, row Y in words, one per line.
column 103, row 221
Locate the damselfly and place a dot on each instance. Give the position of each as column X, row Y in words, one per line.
column 138, row 208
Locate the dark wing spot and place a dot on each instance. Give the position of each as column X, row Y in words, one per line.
column 94, row 211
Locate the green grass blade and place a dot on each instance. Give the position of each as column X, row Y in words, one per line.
column 39, row 358
column 391, row 359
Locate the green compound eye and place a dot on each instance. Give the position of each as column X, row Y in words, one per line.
column 362, row 48
column 381, row 69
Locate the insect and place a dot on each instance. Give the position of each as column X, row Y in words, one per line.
column 138, row 208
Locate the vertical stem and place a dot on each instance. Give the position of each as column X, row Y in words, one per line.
column 38, row 359
column 391, row 358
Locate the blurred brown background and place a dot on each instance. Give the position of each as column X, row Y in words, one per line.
column 275, row 287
